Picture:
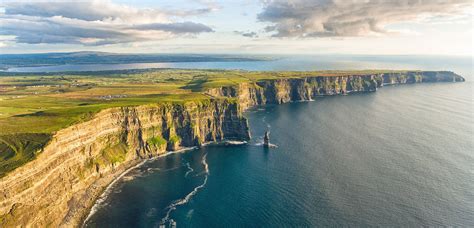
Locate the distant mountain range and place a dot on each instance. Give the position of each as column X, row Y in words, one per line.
column 90, row 57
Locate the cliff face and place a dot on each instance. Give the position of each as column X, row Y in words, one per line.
column 81, row 160
column 303, row 89
column 297, row 89
column 420, row 77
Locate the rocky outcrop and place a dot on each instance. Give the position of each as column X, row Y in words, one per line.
column 266, row 139
column 68, row 175
column 285, row 90
column 73, row 169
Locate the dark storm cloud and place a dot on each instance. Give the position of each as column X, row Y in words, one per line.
column 323, row 18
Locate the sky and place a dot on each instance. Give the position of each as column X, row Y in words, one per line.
column 369, row 27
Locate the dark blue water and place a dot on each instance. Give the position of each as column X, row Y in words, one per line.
column 462, row 65
column 403, row 156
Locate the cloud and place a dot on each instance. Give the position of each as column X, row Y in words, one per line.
column 94, row 22
column 339, row 18
column 247, row 34
column 177, row 28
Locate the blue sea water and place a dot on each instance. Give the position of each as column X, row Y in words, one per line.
column 403, row 156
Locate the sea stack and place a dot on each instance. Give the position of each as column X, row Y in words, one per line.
column 266, row 139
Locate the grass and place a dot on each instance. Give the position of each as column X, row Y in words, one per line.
column 34, row 106
column 174, row 139
column 114, row 154
column 15, row 152
column 47, row 103
column 157, row 141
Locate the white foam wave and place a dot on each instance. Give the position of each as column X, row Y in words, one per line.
column 259, row 142
column 226, row 142
column 151, row 170
column 188, row 197
column 234, row 142
column 100, row 202
column 190, row 170
column 271, row 145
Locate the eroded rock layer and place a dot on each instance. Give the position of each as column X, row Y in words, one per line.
column 76, row 165
column 303, row 89
column 62, row 183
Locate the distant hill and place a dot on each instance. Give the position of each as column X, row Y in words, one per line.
column 90, row 57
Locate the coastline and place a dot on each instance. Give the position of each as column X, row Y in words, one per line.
column 105, row 193
column 70, row 149
column 242, row 176
column 103, row 196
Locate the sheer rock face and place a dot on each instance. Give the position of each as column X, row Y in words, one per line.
column 266, row 139
column 297, row 89
column 419, row 77
column 64, row 180
column 76, row 165
column 304, row 89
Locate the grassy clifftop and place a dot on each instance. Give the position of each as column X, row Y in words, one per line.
column 34, row 106
column 44, row 103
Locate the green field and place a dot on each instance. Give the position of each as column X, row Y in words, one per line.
column 34, row 106
column 46, row 103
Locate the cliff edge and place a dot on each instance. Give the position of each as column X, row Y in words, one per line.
column 61, row 184
column 80, row 161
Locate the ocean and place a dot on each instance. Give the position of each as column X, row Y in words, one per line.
column 403, row 156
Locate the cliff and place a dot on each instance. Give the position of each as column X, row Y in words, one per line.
column 72, row 170
column 308, row 88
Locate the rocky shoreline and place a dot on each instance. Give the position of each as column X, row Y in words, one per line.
column 62, row 184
